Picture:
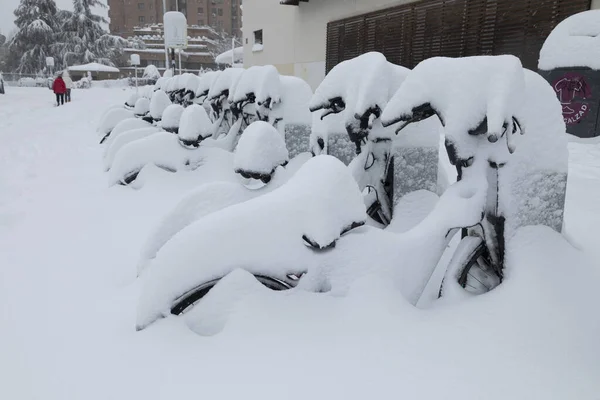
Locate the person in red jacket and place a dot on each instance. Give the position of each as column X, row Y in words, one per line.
column 60, row 88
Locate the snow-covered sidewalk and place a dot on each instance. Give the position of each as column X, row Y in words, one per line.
column 69, row 247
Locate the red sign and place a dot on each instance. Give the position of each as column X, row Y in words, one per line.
column 572, row 91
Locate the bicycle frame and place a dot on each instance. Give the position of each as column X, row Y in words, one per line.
column 372, row 166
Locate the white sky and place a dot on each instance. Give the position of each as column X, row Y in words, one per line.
column 8, row 6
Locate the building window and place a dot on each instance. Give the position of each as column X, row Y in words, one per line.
column 258, row 41
column 200, row 22
column 220, row 23
column 214, row 11
column 141, row 19
column 151, row 6
column 258, row 37
column 220, row 12
column 200, row 10
column 141, row 6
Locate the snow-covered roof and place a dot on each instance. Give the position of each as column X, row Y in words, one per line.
column 225, row 58
column 157, row 51
column 575, row 42
column 93, row 67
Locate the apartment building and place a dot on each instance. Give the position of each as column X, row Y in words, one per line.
column 221, row 15
column 196, row 56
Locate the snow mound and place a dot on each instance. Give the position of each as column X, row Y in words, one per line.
column 509, row 99
column 190, row 82
column 296, row 95
column 207, row 199
column 378, row 81
column 318, row 203
column 151, row 72
column 210, row 316
column 169, row 85
column 269, row 85
column 124, row 126
column 147, row 91
column 248, row 84
column 161, row 83
column 159, row 102
column 439, row 83
column 194, row 125
column 133, row 97
column 225, row 82
column 93, row 67
column 575, row 42
column 161, row 149
column 408, row 260
column 170, row 117
column 203, row 201
column 112, row 118
column 119, row 141
column 260, row 149
column 142, row 107
column 205, row 83
column 168, row 73
column 236, row 55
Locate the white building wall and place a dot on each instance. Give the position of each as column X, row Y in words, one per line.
column 295, row 37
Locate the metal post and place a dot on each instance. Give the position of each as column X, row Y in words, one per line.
column 179, row 61
column 232, row 51
column 164, row 37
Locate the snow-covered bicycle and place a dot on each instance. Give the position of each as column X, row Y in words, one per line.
column 358, row 90
column 481, row 137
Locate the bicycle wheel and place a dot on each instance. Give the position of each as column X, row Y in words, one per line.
column 470, row 271
column 191, row 297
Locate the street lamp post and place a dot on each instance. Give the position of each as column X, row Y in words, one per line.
column 166, row 49
column 135, row 61
column 175, row 26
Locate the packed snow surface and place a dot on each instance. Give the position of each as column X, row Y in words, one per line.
column 574, row 42
column 68, row 254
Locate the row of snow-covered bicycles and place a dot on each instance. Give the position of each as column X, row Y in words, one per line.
column 418, row 176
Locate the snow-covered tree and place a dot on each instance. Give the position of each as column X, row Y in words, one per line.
column 83, row 39
column 36, row 21
column 221, row 44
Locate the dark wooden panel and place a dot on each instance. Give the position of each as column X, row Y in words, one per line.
column 409, row 33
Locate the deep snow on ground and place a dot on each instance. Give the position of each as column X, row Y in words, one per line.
column 69, row 247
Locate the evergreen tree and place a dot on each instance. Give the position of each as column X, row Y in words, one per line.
column 83, row 39
column 36, row 21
